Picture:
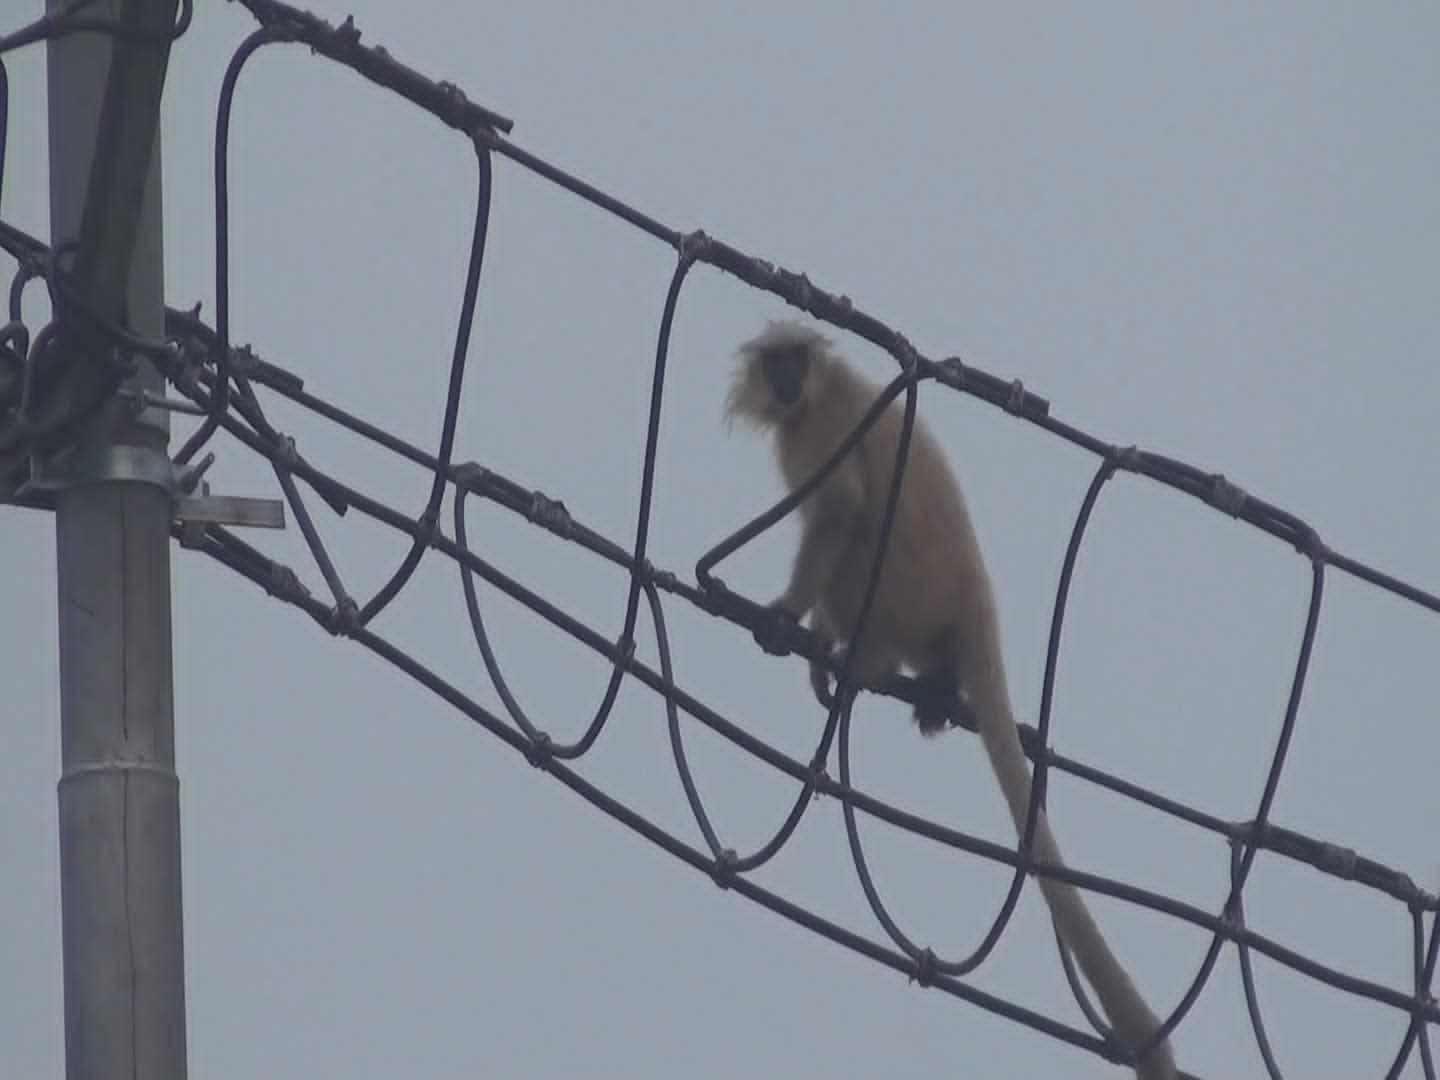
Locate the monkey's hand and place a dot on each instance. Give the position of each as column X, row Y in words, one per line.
column 820, row 683
column 820, row 666
column 777, row 630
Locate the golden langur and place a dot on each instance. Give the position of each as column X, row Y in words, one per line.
column 933, row 612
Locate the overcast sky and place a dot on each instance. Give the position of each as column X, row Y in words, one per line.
column 1212, row 231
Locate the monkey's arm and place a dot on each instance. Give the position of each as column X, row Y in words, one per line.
column 821, row 548
column 829, row 530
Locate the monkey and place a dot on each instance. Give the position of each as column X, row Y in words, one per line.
column 934, row 609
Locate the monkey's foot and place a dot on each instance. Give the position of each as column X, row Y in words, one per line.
column 936, row 700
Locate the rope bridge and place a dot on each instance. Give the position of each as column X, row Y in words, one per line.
column 228, row 388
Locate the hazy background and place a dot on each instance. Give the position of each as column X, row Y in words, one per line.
column 1214, row 232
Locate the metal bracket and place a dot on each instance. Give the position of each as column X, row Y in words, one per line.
column 150, row 408
column 143, row 465
column 207, row 509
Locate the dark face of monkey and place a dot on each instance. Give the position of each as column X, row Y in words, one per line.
column 785, row 369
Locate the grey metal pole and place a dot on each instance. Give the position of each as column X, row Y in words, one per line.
column 118, row 792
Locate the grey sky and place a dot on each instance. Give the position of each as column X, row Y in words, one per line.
column 1211, row 231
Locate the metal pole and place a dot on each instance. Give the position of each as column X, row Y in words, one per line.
column 118, row 793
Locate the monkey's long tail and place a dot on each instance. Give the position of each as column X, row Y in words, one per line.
column 1134, row 1022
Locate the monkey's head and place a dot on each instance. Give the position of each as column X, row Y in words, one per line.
column 777, row 374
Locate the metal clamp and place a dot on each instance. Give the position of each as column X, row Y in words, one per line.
column 144, row 465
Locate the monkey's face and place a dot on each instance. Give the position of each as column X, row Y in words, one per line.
column 776, row 375
column 784, row 368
